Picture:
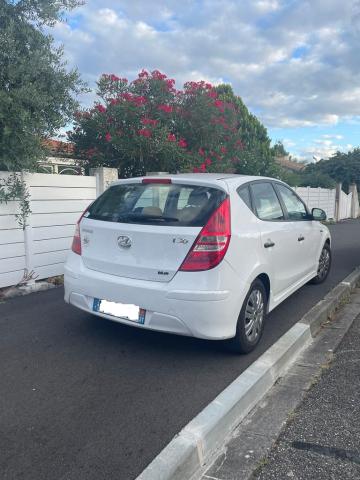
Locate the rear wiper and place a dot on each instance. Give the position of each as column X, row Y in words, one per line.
column 138, row 216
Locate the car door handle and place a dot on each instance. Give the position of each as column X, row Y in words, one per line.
column 301, row 238
column 269, row 244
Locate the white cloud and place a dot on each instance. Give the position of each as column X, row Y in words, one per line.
column 295, row 63
column 324, row 148
column 333, row 136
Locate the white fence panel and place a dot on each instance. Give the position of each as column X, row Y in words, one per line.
column 345, row 202
column 56, row 203
column 318, row 198
column 12, row 248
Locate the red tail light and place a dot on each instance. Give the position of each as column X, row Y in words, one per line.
column 76, row 243
column 156, row 180
column 212, row 242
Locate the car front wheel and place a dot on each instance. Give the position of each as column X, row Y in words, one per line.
column 323, row 265
column 251, row 320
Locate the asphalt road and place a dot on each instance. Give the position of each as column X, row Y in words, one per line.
column 86, row 399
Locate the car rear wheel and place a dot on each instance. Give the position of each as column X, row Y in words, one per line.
column 251, row 320
column 323, row 265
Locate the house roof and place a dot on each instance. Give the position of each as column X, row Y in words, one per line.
column 59, row 148
column 288, row 164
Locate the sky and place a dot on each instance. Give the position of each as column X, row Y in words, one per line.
column 295, row 63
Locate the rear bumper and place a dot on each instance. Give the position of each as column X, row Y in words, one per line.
column 184, row 306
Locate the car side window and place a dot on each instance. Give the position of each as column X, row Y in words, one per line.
column 244, row 194
column 266, row 202
column 295, row 208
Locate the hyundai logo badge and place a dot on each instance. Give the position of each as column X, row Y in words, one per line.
column 124, row 241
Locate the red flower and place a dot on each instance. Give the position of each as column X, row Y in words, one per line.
column 182, row 143
column 108, row 137
column 158, row 75
column 138, row 101
column 126, row 96
column 165, row 108
column 203, row 167
column 223, row 150
column 196, row 170
column 170, row 83
column 149, row 121
column 208, row 161
column 201, row 152
column 145, row 121
column 100, row 108
column 212, row 94
column 145, row 132
column 114, row 101
column 219, row 105
column 114, row 78
column 171, row 137
column 143, row 74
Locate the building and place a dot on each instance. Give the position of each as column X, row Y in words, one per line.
column 290, row 165
column 60, row 159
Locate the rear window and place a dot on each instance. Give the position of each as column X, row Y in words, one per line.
column 157, row 204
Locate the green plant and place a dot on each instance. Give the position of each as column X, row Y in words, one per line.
column 13, row 187
column 148, row 125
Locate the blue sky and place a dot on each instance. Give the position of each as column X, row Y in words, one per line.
column 295, row 63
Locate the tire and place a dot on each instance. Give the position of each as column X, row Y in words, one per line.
column 323, row 266
column 246, row 338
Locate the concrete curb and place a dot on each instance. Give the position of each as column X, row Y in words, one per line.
column 187, row 453
column 15, row 291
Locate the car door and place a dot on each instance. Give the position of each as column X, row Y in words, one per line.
column 278, row 242
column 306, row 235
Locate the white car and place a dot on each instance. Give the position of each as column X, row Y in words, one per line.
column 204, row 255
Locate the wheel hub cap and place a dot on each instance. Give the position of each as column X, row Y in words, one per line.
column 254, row 315
column 324, row 262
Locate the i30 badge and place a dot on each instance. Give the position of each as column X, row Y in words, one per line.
column 124, row 241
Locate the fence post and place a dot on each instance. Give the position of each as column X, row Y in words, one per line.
column 28, row 241
column 337, row 201
column 354, row 201
column 104, row 177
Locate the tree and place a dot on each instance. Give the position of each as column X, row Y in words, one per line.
column 36, row 90
column 148, row 125
column 341, row 167
column 278, row 150
column 255, row 158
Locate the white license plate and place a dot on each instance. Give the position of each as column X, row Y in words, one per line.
column 120, row 310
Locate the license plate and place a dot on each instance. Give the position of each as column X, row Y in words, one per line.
column 126, row 311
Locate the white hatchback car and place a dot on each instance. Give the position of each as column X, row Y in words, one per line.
column 204, row 255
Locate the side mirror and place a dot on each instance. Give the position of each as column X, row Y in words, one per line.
column 318, row 214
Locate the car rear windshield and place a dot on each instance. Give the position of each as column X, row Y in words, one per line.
column 157, row 204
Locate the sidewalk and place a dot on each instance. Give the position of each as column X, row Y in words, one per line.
column 322, row 439
column 308, row 425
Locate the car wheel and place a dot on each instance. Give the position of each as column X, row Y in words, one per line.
column 250, row 324
column 323, row 266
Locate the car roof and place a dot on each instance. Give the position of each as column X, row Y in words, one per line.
column 218, row 179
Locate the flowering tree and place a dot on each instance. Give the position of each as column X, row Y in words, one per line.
column 149, row 125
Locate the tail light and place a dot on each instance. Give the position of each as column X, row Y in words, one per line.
column 156, row 180
column 212, row 242
column 76, row 243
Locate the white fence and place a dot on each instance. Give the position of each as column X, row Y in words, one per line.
column 345, row 202
column 319, row 198
column 56, row 202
